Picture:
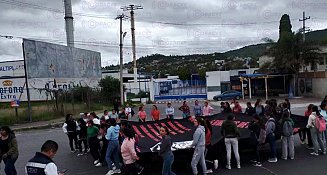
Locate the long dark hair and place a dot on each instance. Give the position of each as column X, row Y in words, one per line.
column 166, row 129
column 315, row 109
column 7, row 130
column 128, row 133
column 208, row 126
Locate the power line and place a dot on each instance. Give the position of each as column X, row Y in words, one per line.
column 35, row 6
column 39, row 7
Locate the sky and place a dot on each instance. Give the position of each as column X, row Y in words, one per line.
column 167, row 27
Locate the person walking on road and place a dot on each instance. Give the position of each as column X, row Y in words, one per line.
column 82, row 137
column 270, row 137
column 92, row 133
column 128, row 152
column 141, row 114
column 70, row 128
column 199, row 144
column 231, row 134
column 317, row 137
column 42, row 163
column 165, row 152
column 207, row 109
column 197, row 109
column 170, row 111
column 287, row 136
column 186, row 110
column 155, row 113
column 113, row 147
column 8, row 150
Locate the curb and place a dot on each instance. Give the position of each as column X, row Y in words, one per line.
column 43, row 126
column 177, row 101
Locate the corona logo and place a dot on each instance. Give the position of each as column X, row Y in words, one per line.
column 7, row 83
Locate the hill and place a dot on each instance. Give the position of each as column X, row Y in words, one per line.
column 162, row 65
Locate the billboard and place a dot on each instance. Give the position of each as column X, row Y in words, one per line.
column 48, row 63
column 12, row 68
column 14, row 89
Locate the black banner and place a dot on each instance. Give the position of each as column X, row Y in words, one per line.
column 181, row 131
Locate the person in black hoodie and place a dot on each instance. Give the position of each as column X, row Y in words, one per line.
column 8, row 150
column 70, row 128
column 82, row 137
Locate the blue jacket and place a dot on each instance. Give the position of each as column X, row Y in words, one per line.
column 113, row 133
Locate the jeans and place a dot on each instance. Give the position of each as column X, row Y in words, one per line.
column 232, row 142
column 198, row 156
column 10, row 165
column 72, row 136
column 112, row 150
column 288, row 146
column 168, row 161
column 318, row 140
column 272, row 143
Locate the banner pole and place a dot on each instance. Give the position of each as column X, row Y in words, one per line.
column 27, row 89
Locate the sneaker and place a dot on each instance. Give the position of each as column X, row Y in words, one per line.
column 110, row 172
column 284, row 158
column 117, row 171
column 228, row 167
column 302, row 142
column 96, row 161
column 257, row 164
column 140, row 170
column 80, row 154
column 253, row 161
column 238, row 166
column 292, row 158
column 98, row 164
column 215, row 164
column 114, row 168
column 272, row 160
column 209, row 171
column 73, row 150
column 308, row 147
column 88, row 149
column 314, row 154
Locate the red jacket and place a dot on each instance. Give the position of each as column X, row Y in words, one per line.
column 208, row 138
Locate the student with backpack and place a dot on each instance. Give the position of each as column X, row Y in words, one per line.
column 316, row 123
column 287, row 137
column 271, row 138
column 257, row 138
column 323, row 112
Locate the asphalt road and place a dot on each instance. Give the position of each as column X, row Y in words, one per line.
column 31, row 141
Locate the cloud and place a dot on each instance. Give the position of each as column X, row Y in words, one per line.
column 162, row 26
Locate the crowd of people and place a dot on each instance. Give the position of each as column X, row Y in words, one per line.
column 111, row 140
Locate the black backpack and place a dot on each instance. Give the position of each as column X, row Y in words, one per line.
column 278, row 130
column 71, row 126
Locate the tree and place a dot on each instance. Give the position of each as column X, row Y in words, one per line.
column 291, row 52
column 184, row 73
column 110, row 88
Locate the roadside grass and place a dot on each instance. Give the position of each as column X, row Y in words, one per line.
column 41, row 111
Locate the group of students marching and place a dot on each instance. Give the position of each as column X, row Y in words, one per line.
column 111, row 138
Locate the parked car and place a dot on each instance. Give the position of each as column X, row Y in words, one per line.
column 228, row 95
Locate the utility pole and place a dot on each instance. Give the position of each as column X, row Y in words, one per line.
column 121, row 37
column 131, row 8
column 303, row 25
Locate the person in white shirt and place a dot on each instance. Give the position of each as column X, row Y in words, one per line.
column 170, row 111
column 128, row 111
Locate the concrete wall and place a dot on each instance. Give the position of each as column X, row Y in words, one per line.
column 319, row 87
column 213, row 82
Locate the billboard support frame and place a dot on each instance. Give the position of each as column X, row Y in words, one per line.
column 27, row 89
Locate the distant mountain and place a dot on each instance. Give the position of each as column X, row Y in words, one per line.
column 234, row 59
